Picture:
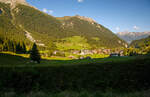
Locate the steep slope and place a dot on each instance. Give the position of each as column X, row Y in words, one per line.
column 41, row 26
column 29, row 24
column 145, row 42
column 7, row 28
column 130, row 36
column 13, row 3
column 92, row 31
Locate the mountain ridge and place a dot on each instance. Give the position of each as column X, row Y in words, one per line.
column 43, row 28
column 13, row 3
column 131, row 36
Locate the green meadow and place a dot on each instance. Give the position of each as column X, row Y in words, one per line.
column 101, row 77
column 23, row 60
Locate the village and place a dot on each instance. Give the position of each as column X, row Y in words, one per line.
column 85, row 53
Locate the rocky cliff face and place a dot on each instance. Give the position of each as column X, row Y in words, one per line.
column 85, row 18
column 13, row 3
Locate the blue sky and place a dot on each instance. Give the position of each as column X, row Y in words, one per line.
column 116, row 15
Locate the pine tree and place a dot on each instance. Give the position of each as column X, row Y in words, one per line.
column 11, row 46
column 34, row 54
column 5, row 46
column 18, row 48
column 24, row 48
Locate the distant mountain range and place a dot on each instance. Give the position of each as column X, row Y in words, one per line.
column 22, row 22
column 130, row 36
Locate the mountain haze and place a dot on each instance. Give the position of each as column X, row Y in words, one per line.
column 18, row 19
column 131, row 36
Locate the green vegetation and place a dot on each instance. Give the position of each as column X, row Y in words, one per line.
column 12, row 46
column 91, row 31
column 143, row 45
column 46, row 29
column 34, row 54
column 20, row 76
column 119, row 74
column 73, row 43
column 77, row 94
column 7, row 28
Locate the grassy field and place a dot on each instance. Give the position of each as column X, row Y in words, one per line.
column 110, row 77
column 23, row 60
column 77, row 94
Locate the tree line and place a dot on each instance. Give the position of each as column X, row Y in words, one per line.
column 12, row 46
column 19, row 47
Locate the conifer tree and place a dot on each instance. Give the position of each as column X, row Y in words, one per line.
column 34, row 54
column 5, row 46
column 23, row 48
column 19, row 48
column 11, row 46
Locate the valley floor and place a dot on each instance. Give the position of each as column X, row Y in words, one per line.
column 77, row 94
column 104, row 77
column 23, row 60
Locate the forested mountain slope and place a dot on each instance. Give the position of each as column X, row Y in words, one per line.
column 26, row 23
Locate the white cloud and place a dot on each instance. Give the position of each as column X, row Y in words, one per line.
column 48, row 11
column 117, row 28
column 45, row 10
column 136, row 28
column 80, row 1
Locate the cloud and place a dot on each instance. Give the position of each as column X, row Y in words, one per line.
column 136, row 28
column 80, row 1
column 117, row 28
column 45, row 10
column 48, row 11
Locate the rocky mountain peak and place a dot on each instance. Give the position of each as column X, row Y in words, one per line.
column 86, row 19
column 14, row 2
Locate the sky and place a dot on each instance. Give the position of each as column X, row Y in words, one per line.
column 116, row 15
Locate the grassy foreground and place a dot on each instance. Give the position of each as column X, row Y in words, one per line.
column 114, row 77
column 77, row 94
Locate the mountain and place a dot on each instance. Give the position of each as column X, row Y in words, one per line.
column 141, row 43
column 13, row 3
column 21, row 22
column 130, row 36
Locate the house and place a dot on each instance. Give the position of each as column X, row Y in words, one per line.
column 114, row 55
column 121, row 53
column 72, row 57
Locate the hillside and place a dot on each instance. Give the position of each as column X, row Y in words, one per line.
column 145, row 42
column 130, row 36
column 31, row 25
column 96, row 34
column 7, row 28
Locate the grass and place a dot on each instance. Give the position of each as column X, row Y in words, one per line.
column 75, row 42
column 77, row 94
column 113, row 76
column 23, row 60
